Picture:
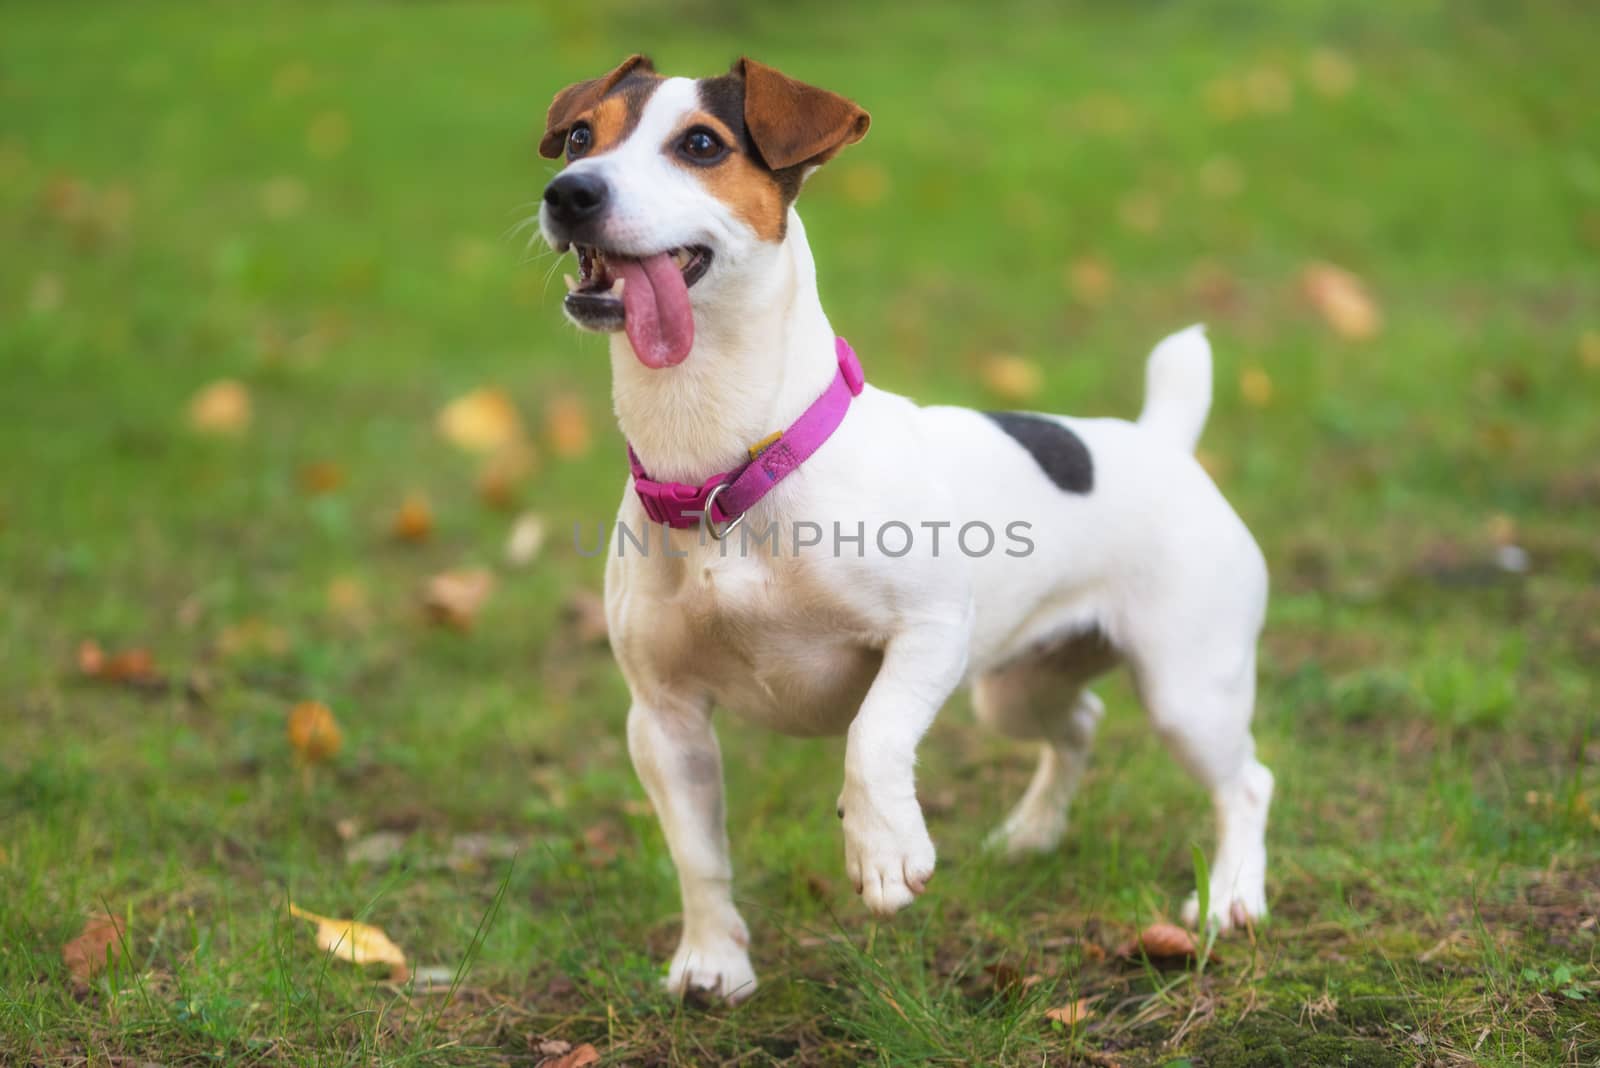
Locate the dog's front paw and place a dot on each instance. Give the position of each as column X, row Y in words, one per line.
column 887, row 852
column 719, row 967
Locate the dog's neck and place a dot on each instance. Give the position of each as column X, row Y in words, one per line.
column 761, row 356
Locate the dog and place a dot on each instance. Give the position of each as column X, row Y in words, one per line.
column 747, row 421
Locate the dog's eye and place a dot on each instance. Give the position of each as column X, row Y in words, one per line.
column 702, row 146
column 579, row 138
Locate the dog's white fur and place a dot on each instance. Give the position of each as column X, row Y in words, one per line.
column 1151, row 568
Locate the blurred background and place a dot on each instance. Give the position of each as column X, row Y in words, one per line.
column 293, row 441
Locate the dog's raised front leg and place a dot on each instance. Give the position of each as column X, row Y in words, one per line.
column 887, row 851
column 675, row 753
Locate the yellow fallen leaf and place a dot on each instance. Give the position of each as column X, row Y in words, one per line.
column 253, row 637
column 1070, row 1014
column 358, row 943
column 1342, row 300
column 320, row 476
column 567, row 424
column 864, row 183
column 414, row 521
column 1589, row 350
column 481, row 421
column 99, row 941
column 453, row 598
column 1255, row 387
column 313, row 732
column 578, row 1057
column 1331, row 73
column 1012, row 377
column 1269, row 90
column 283, row 197
column 223, row 407
column 347, row 599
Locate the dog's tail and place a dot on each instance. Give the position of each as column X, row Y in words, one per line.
column 1177, row 387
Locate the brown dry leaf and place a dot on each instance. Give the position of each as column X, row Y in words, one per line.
column 347, row 599
column 585, row 614
column 136, row 667
column 1012, row 378
column 85, row 956
column 223, row 407
column 359, row 943
column 1255, row 387
column 526, row 539
column 484, row 420
column 414, row 521
column 319, row 477
column 1070, row 1014
column 1090, row 280
column 453, row 598
column 91, row 658
column 1343, row 301
column 503, row 471
column 567, row 425
column 577, row 1057
column 1162, row 942
column 1008, row 979
column 313, row 732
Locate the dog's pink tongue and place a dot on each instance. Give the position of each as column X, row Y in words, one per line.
column 656, row 312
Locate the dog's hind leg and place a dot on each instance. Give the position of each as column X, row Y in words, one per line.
column 676, row 755
column 1042, row 699
column 1202, row 713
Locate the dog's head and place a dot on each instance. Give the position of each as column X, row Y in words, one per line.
column 673, row 189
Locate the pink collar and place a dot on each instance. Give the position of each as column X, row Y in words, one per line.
column 723, row 499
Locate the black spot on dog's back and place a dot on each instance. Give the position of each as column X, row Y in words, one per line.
column 1059, row 452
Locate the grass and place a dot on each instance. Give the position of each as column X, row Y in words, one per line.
column 316, row 201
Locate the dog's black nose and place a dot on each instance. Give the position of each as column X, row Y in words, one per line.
column 576, row 198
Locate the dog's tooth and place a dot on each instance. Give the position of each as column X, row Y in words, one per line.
column 616, row 286
column 572, row 283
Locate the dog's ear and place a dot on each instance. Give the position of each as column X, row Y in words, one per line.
column 579, row 97
column 793, row 124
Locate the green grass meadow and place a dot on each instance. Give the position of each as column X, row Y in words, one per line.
column 320, row 202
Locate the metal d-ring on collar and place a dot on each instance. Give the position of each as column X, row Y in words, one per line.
column 711, row 524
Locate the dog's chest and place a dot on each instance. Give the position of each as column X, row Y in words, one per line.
column 765, row 637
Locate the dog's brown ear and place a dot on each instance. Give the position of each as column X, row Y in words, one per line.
column 794, row 124
column 579, row 97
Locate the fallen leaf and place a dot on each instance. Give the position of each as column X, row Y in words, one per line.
column 328, row 135
column 1007, row 979
column 101, row 939
column 598, row 845
column 1090, row 280
column 136, row 667
column 481, row 421
column 319, row 477
column 347, row 599
column 414, row 521
column 567, row 425
column 1342, row 300
column 253, row 638
column 1589, row 350
column 585, row 614
column 223, row 407
column 526, row 539
column 283, row 197
column 1331, row 73
column 503, row 471
column 1011, row 377
column 1255, row 387
column 864, row 183
column 1161, row 942
column 552, row 1047
column 1225, row 99
column 91, row 658
column 454, row 598
column 578, row 1057
column 1070, row 1014
column 313, row 732
column 359, row 943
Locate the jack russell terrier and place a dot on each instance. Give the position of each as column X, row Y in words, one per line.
column 745, row 414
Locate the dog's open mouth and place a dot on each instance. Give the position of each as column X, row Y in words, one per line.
column 647, row 296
